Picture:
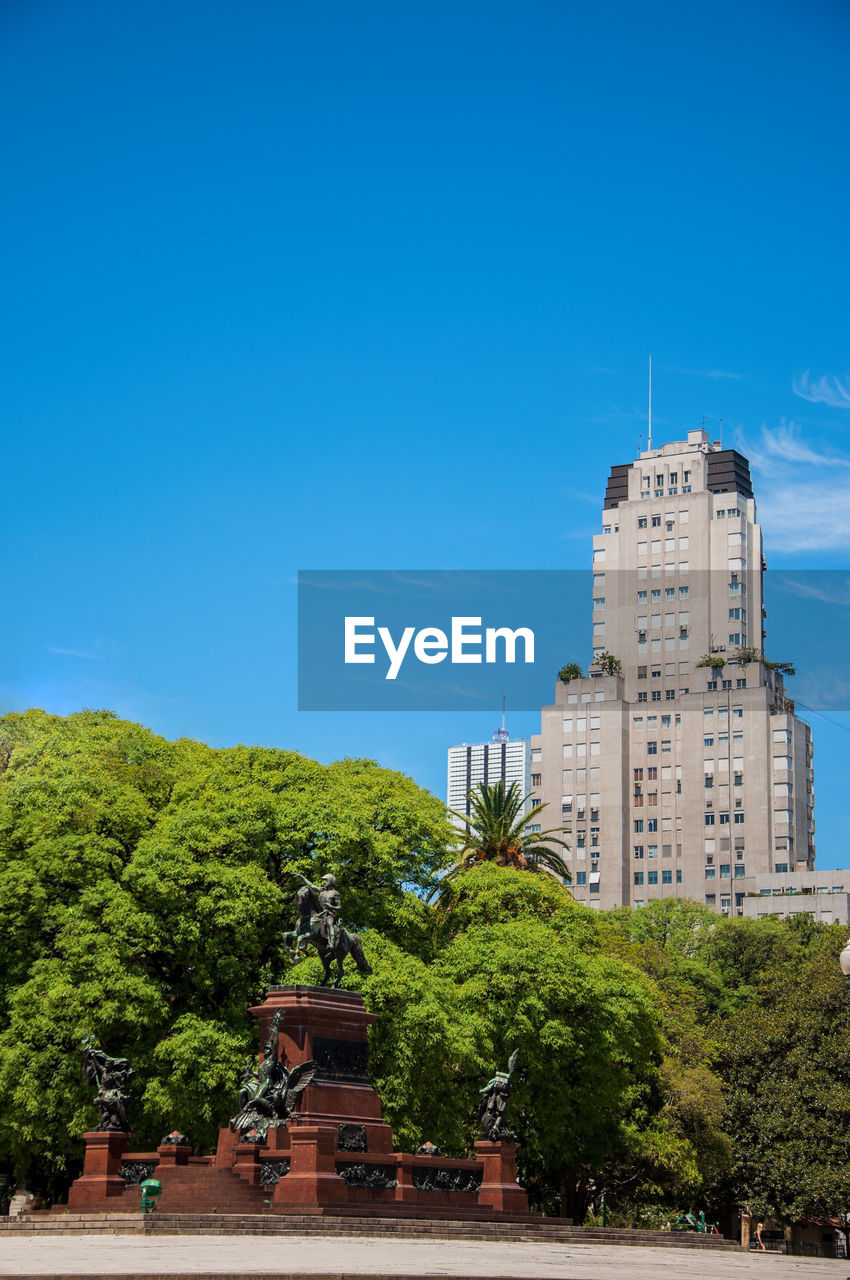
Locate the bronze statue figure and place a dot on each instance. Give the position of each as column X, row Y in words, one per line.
column 269, row 1092
column 111, row 1078
column 494, row 1103
column 319, row 907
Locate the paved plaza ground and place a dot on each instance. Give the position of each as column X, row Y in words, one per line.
column 333, row 1258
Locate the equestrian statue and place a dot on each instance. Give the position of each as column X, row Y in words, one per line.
column 319, row 907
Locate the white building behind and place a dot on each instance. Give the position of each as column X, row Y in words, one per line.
column 506, row 759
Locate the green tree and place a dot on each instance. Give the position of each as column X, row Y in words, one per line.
column 496, row 830
column 785, row 1059
column 146, row 885
column 517, row 963
column 610, row 665
column 571, row 671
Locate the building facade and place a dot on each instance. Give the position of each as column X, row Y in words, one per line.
column 504, row 759
column 823, row 895
column 678, row 765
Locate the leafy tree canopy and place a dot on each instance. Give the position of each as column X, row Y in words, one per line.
column 146, row 885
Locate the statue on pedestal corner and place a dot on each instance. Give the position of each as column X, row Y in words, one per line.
column 111, row 1078
column 494, row 1104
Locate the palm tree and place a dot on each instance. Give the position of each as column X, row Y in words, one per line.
column 496, row 830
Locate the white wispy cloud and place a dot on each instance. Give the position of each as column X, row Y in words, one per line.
column 829, row 588
column 828, row 389
column 803, row 491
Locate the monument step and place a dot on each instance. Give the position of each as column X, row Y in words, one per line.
column 548, row 1230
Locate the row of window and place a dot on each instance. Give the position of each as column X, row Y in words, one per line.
column 673, row 478
column 669, row 695
column 670, row 620
column 713, row 685
column 654, row 545
column 724, row 818
column 725, row 870
column 669, row 594
column 652, row 877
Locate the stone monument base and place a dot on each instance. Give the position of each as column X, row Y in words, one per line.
column 334, row 1156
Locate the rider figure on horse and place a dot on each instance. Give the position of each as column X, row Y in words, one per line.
column 326, row 896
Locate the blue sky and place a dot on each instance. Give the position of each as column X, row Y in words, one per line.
column 335, row 286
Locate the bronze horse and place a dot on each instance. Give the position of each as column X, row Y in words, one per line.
column 310, row 931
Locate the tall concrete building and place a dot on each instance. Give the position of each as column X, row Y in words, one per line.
column 673, row 778
column 504, row 759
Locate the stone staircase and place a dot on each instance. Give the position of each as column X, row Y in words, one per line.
column 547, row 1230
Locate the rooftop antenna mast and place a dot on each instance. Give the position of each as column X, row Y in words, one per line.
column 649, row 446
column 502, row 735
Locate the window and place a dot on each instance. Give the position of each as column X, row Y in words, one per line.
column 709, row 873
column 781, row 868
column 666, row 877
column 652, row 877
column 652, row 850
column 581, row 877
column 652, row 824
column 656, row 520
column 669, row 593
column 638, row 775
column 652, row 748
column 678, row 875
column 740, row 870
column 711, row 899
column 725, row 871
column 683, row 591
column 652, row 773
column 724, row 819
column 599, row 602
column 684, row 544
column 536, row 779
column 638, row 850
column 606, row 528
column 642, row 696
column 641, row 522
column 739, row 818
column 638, row 877
column 709, row 819
column 656, row 545
column 656, row 695
column 641, row 548
column 656, row 594
column 734, row 638
column 641, row 596
column 670, row 694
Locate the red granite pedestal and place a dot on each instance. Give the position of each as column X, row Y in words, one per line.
column 101, row 1179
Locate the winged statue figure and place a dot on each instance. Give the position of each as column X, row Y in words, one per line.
column 269, row 1091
